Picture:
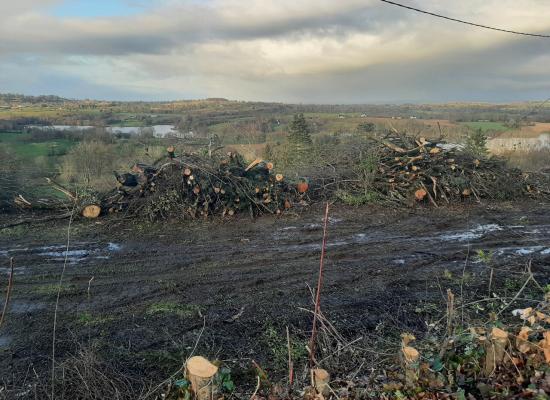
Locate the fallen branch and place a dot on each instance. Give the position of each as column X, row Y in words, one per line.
column 318, row 295
column 8, row 293
column 62, row 189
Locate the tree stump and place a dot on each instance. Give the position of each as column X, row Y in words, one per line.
column 321, row 378
column 91, row 211
column 200, row 373
column 495, row 350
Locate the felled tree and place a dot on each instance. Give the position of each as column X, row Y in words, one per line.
column 476, row 143
column 299, row 138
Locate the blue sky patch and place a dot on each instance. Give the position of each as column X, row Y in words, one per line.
column 99, row 8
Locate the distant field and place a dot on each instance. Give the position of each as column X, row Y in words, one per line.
column 486, row 126
column 28, row 151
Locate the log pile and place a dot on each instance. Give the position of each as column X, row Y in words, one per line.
column 412, row 170
column 194, row 186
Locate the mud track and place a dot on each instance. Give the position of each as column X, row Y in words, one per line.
column 381, row 264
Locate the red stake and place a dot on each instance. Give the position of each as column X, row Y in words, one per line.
column 318, row 294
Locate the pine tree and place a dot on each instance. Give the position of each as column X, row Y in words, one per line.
column 476, row 143
column 299, row 138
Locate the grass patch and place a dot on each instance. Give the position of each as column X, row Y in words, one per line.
column 357, row 199
column 486, row 126
column 180, row 310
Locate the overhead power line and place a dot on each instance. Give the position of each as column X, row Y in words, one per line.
column 465, row 22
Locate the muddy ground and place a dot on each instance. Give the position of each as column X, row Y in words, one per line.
column 140, row 295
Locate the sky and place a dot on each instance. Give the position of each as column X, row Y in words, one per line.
column 297, row 51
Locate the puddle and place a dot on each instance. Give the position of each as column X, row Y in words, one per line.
column 69, row 253
column 113, row 246
column 522, row 251
column 57, row 253
column 476, row 233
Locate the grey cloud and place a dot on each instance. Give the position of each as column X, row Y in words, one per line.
column 349, row 51
column 166, row 29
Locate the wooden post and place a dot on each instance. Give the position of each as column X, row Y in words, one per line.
column 200, row 372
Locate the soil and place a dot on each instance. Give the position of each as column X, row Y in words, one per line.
column 144, row 295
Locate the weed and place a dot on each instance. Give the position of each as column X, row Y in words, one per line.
column 224, row 381
column 278, row 347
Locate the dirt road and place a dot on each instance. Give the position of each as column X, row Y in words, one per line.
column 141, row 295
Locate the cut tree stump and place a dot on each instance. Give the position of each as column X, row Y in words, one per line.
column 200, row 373
column 495, row 350
column 321, row 379
column 91, row 211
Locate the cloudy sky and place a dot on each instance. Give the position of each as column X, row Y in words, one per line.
column 317, row 51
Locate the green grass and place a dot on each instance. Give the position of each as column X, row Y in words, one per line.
column 181, row 310
column 486, row 126
column 29, row 151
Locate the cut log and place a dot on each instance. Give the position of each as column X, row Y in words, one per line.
column 200, row 373
column 420, row 194
column 321, row 379
column 127, row 179
column 302, row 187
column 91, row 211
column 253, row 164
column 279, row 177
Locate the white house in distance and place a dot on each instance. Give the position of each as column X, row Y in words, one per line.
column 158, row 131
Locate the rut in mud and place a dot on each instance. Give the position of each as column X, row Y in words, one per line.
column 144, row 294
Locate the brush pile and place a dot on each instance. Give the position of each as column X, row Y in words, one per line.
column 196, row 186
column 404, row 169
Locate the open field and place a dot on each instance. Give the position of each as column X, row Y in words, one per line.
column 28, row 151
column 487, row 126
column 138, row 295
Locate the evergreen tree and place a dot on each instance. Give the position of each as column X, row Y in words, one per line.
column 299, row 138
column 476, row 143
